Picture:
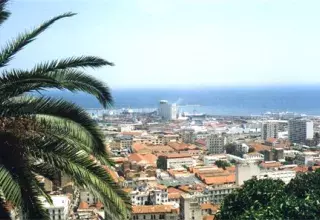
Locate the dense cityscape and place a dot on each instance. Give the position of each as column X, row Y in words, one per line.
column 181, row 166
column 77, row 146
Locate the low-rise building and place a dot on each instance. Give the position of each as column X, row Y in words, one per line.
column 210, row 160
column 246, row 171
column 173, row 161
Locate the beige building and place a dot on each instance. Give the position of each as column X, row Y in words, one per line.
column 155, row 212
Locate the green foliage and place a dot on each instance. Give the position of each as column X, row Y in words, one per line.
column 222, row 164
column 230, row 148
column 45, row 136
column 162, row 163
column 272, row 199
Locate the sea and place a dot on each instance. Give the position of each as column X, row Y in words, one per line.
column 238, row 101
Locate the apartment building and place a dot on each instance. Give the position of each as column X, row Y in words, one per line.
column 269, row 130
column 215, row 143
column 300, row 130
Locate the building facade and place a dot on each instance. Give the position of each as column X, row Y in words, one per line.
column 59, row 209
column 269, row 130
column 167, row 111
column 300, row 130
column 155, row 212
column 215, row 143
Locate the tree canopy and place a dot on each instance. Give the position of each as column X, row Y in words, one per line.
column 272, row 199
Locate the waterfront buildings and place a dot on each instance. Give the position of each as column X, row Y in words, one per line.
column 300, row 130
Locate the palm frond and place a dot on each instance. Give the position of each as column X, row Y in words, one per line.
column 70, row 133
column 79, row 166
column 72, row 62
column 4, row 14
column 23, row 39
column 17, row 82
column 10, row 188
column 32, row 206
column 24, row 106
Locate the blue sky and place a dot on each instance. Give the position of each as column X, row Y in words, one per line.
column 178, row 43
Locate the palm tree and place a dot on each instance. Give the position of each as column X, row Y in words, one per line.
column 40, row 135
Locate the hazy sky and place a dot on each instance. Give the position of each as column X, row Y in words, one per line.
column 158, row 43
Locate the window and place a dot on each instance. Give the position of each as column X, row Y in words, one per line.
column 144, row 217
column 88, row 199
column 161, row 216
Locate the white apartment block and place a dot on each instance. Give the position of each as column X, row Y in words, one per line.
column 269, row 130
column 210, row 160
column 300, row 130
column 214, row 194
column 215, row 143
column 156, row 196
column 246, row 171
column 59, row 210
column 167, row 111
column 255, row 157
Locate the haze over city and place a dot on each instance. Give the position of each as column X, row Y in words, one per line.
column 179, row 43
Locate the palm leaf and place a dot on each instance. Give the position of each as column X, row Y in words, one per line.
column 23, row 39
column 10, row 188
column 79, row 166
column 4, row 14
column 24, row 106
column 17, row 82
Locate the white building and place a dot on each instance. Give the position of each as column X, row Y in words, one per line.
column 175, row 161
column 59, row 208
column 269, row 130
column 167, row 111
column 190, row 208
column 210, row 160
column 255, row 157
column 242, row 147
column 155, row 195
column 246, row 171
column 300, row 130
column 215, row 193
column 307, row 158
column 215, row 143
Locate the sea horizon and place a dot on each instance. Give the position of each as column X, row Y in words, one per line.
column 240, row 101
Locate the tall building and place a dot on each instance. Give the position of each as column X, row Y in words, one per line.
column 167, row 111
column 300, row 130
column 269, row 130
column 215, row 143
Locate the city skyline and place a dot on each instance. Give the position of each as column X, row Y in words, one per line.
column 180, row 43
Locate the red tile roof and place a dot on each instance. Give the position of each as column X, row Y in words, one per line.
column 83, row 205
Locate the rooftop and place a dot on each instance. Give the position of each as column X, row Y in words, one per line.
column 144, row 209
